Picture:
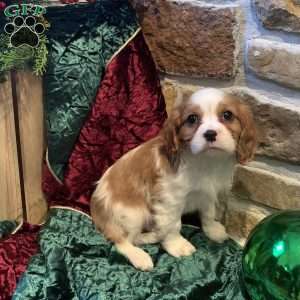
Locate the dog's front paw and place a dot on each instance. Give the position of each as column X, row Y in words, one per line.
column 137, row 256
column 179, row 247
column 215, row 231
column 141, row 260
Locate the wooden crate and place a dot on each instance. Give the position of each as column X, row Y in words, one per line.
column 21, row 128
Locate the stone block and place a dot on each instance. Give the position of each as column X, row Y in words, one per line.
column 276, row 61
column 271, row 185
column 278, row 124
column 191, row 37
column 279, row 14
column 242, row 216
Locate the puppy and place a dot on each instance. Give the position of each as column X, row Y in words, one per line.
column 141, row 198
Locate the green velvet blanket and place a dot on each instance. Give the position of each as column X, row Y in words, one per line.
column 76, row 262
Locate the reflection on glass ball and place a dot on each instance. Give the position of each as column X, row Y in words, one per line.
column 271, row 258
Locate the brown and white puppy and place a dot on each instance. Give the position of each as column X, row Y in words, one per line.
column 141, row 198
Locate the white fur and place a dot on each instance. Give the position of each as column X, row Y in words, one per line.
column 177, row 246
column 138, row 257
column 196, row 187
column 214, row 172
column 208, row 100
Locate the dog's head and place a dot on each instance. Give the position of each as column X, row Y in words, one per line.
column 211, row 121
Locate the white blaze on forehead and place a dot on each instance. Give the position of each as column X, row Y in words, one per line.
column 208, row 100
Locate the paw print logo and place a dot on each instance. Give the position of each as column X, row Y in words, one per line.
column 24, row 31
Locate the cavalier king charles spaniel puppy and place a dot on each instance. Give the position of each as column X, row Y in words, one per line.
column 142, row 196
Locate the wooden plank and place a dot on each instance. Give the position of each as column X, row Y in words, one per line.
column 10, row 198
column 31, row 124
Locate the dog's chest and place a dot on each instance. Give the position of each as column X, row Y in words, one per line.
column 207, row 175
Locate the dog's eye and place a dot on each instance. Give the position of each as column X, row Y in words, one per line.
column 227, row 115
column 192, row 119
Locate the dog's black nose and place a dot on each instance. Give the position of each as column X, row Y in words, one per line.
column 210, row 135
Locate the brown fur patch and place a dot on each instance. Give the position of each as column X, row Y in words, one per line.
column 103, row 221
column 132, row 178
column 177, row 132
column 242, row 127
column 187, row 131
column 133, row 181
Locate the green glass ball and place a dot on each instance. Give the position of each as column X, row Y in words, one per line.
column 271, row 259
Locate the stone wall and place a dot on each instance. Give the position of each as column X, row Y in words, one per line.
column 251, row 47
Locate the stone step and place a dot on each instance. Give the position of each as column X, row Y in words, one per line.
column 269, row 182
column 241, row 216
column 261, row 188
column 276, row 61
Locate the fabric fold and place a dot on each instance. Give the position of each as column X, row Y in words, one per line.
column 83, row 38
column 76, row 262
column 129, row 109
column 15, row 253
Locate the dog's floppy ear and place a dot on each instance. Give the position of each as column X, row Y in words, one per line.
column 171, row 147
column 248, row 138
column 170, row 132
